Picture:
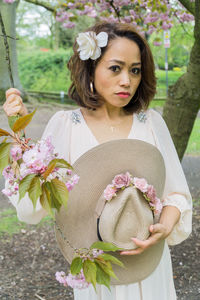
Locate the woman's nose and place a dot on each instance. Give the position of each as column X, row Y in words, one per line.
column 125, row 79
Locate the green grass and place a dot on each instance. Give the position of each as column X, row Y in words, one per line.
column 9, row 223
column 194, row 141
column 161, row 80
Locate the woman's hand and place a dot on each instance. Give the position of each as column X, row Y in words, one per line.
column 14, row 104
column 158, row 232
column 169, row 218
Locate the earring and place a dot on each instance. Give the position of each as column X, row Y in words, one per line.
column 91, row 87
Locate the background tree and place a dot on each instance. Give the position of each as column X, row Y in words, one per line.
column 183, row 101
column 9, row 17
column 8, row 9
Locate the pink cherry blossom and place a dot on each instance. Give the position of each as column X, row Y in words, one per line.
column 71, row 183
column 7, row 192
column 61, row 277
column 8, row 173
column 141, row 184
column 158, row 206
column 16, row 152
column 8, row 1
column 157, row 43
column 96, row 252
column 122, row 180
column 78, row 281
column 69, row 25
column 109, row 192
column 151, row 192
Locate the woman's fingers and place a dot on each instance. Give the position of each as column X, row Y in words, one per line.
column 14, row 104
column 12, row 91
column 14, row 98
column 157, row 234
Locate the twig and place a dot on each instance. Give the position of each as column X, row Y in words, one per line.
column 7, row 50
column 10, row 37
column 39, row 297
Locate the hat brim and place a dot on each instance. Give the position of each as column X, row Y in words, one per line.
column 96, row 169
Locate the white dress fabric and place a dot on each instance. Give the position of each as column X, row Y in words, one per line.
column 72, row 137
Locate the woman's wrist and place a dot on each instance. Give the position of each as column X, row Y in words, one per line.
column 169, row 218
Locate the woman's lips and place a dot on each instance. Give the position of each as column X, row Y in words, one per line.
column 123, row 95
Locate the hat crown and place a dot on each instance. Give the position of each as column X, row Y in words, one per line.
column 127, row 215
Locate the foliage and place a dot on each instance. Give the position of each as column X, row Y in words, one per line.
column 148, row 16
column 45, row 70
column 179, row 51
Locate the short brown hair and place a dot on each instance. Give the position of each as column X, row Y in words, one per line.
column 82, row 71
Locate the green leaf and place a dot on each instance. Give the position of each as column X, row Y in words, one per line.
column 49, row 169
column 54, row 201
column 89, row 270
column 76, row 265
column 45, row 200
column 4, row 155
column 24, row 185
column 35, row 190
column 12, row 120
column 106, row 266
column 112, row 259
column 56, row 163
column 105, row 246
column 61, row 163
column 22, row 122
column 102, row 277
column 60, row 191
column 4, row 132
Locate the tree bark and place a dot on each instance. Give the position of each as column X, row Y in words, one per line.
column 44, row 4
column 9, row 16
column 183, row 101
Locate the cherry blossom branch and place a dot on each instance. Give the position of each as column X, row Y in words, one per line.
column 115, row 9
column 43, row 4
column 7, row 50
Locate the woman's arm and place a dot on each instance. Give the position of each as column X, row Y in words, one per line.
column 57, row 129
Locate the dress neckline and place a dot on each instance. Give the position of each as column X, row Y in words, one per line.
column 93, row 136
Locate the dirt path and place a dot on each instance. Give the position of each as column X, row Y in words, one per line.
column 29, row 260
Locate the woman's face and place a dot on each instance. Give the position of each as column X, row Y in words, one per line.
column 118, row 74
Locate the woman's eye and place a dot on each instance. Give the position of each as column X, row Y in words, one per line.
column 114, row 68
column 136, row 71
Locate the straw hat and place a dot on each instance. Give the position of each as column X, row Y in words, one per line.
column 126, row 215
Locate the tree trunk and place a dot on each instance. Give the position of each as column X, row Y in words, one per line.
column 183, row 101
column 8, row 12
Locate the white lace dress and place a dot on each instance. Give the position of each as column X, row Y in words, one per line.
column 72, row 137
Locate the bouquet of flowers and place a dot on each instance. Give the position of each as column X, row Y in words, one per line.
column 34, row 168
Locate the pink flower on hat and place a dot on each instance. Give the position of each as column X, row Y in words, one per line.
column 109, row 192
column 122, row 180
column 141, row 184
column 151, row 192
column 158, row 206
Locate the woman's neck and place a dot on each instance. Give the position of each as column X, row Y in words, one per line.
column 108, row 112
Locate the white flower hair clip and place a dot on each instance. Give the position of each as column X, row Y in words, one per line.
column 90, row 44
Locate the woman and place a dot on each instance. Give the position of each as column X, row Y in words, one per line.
column 113, row 81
